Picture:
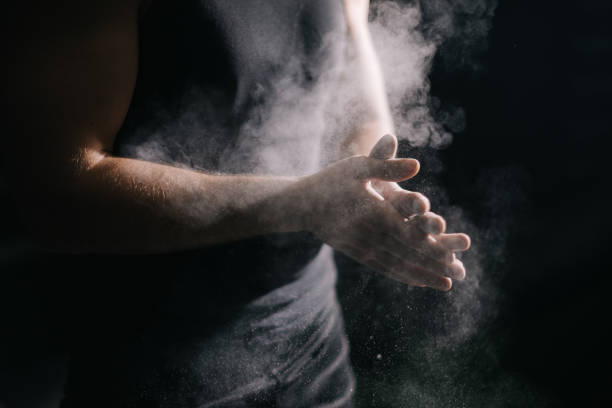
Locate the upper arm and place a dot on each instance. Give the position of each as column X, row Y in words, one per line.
column 375, row 117
column 68, row 83
column 357, row 13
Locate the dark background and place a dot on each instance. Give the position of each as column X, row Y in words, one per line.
column 529, row 171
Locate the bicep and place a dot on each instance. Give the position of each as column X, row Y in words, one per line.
column 69, row 82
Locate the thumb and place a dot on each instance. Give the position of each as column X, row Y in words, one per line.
column 385, row 148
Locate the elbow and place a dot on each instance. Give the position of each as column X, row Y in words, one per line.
column 56, row 206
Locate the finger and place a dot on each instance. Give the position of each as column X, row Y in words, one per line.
column 392, row 270
column 454, row 242
column 429, row 223
column 426, row 252
column 393, row 267
column 388, row 170
column 410, row 256
column 454, row 270
column 460, row 268
column 390, row 229
column 431, row 280
column 385, row 187
column 433, row 249
column 385, row 148
column 389, row 272
column 408, row 203
column 413, row 273
column 408, row 271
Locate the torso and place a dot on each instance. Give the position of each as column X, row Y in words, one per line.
column 210, row 73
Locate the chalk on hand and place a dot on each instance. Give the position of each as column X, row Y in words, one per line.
column 385, row 148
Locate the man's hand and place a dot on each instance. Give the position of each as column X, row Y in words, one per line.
column 390, row 230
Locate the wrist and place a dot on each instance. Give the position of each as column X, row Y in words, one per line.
column 285, row 208
column 303, row 204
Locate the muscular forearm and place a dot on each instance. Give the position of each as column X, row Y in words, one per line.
column 125, row 205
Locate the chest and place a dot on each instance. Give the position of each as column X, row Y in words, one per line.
column 232, row 85
column 231, row 46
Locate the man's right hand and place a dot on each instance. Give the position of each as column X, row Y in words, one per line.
column 409, row 246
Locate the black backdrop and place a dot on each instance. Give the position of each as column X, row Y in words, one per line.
column 530, row 172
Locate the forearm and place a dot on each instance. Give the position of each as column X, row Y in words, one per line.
column 125, row 205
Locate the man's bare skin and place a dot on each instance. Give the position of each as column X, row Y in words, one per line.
column 69, row 81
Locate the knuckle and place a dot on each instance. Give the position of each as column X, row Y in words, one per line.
column 348, row 166
column 358, row 165
column 425, row 200
column 422, row 196
column 430, row 215
column 415, row 202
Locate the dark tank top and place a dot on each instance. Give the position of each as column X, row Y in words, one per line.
column 214, row 75
column 220, row 85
